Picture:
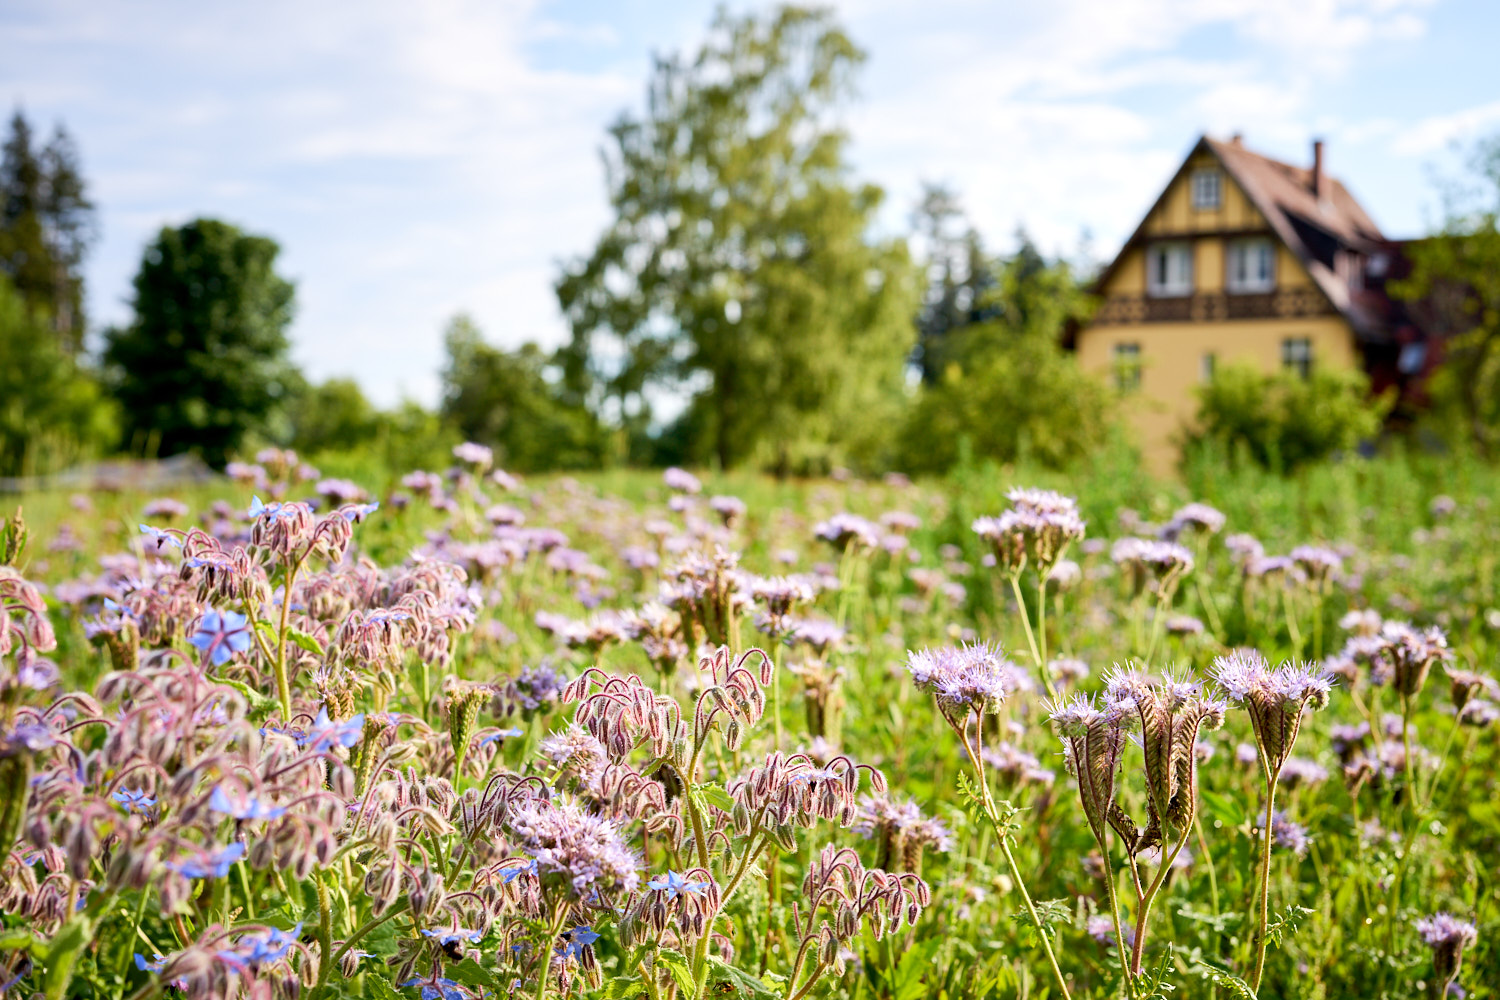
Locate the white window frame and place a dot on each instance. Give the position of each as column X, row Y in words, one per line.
column 1126, row 357
column 1250, row 266
column 1169, row 269
column 1208, row 189
column 1297, row 355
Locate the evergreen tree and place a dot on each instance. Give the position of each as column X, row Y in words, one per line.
column 739, row 266
column 46, row 225
column 959, row 277
column 205, row 359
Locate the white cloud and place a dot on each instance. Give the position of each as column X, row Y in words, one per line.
column 419, row 159
column 1433, row 134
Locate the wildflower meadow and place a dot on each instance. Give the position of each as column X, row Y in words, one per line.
column 461, row 734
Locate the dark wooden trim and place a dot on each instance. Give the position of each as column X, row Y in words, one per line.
column 1211, row 307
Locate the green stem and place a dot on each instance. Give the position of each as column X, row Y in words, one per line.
column 546, row 971
column 395, row 911
column 1143, row 914
column 283, row 683
column 1036, row 653
column 1264, row 917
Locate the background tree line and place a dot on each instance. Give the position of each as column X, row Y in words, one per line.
column 743, row 307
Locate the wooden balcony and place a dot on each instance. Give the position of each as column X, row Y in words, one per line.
column 1209, row 307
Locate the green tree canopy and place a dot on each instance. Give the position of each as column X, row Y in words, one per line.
column 52, row 412
column 1455, row 288
column 512, row 401
column 739, row 268
column 331, row 416
column 1001, row 381
column 205, row 359
column 46, row 224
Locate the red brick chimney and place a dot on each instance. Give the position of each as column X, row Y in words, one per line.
column 1317, row 168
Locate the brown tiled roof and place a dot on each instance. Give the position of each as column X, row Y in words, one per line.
column 1283, row 194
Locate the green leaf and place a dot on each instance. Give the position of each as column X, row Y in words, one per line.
column 267, row 631
column 716, row 796
column 62, row 955
column 306, row 641
column 909, row 982
column 259, row 703
column 727, row 981
column 677, row 964
column 1224, row 808
column 471, row 973
column 623, row 988
column 1236, row 986
column 380, row 988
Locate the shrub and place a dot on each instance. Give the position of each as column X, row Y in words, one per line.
column 1283, row 422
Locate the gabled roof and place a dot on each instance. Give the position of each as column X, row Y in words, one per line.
column 1309, row 225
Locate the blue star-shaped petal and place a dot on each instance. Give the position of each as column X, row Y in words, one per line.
column 675, row 884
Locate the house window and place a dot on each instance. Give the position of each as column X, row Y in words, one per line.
column 1206, row 366
column 1297, row 356
column 1252, row 265
column 1169, row 269
column 1206, row 189
column 1127, row 358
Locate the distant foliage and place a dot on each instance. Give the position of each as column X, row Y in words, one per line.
column 1281, row 421
column 1456, row 278
column 52, row 412
column 740, row 268
column 1004, row 388
column 204, row 362
column 332, row 416
column 46, row 224
column 506, row 400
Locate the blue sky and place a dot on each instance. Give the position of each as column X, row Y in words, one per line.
column 418, row 159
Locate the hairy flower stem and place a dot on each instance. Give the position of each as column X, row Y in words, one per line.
column 1264, row 917
column 1143, row 907
column 1036, row 653
column 324, row 969
column 1291, row 621
column 1114, row 912
column 1158, row 619
column 546, row 970
column 283, row 684
column 1002, row 832
column 776, row 687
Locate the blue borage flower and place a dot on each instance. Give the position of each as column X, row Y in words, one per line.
column 156, row 965
column 160, row 537
column 357, row 512
column 250, row 808
column 675, row 883
column 261, row 949
column 134, row 801
column 221, row 634
column 509, row 875
column 270, row 511
column 453, row 935
column 438, row 988
column 209, row 864
column 325, row 734
column 576, row 940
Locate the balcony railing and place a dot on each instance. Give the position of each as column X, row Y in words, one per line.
column 1212, row 306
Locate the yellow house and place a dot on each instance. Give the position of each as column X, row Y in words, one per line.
column 1243, row 259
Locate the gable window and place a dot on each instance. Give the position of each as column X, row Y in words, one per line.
column 1297, row 356
column 1207, row 191
column 1252, row 265
column 1127, row 365
column 1169, row 269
